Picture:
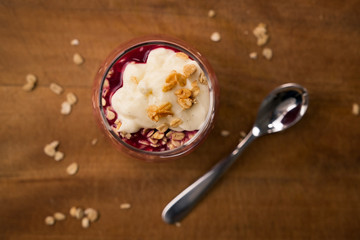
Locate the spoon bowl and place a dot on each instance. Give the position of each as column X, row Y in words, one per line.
column 281, row 109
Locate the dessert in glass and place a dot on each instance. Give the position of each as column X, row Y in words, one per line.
column 156, row 98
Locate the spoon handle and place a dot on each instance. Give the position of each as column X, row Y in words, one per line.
column 182, row 204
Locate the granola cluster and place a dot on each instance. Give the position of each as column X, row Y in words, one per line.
column 157, row 112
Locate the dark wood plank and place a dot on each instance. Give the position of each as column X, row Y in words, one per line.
column 300, row 184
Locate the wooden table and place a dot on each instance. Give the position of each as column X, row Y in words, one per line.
column 300, row 184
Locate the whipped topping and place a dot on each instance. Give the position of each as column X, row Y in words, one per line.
column 142, row 87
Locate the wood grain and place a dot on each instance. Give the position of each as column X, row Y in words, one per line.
column 300, row 184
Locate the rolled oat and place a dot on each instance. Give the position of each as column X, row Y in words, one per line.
column 59, row 216
column 163, row 127
column 175, row 122
column 189, row 69
column 183, row 93
column 91, row 214
column 65, row 108
column 211, row 13
column 58, row 156
column 73, row 211
column 355, row 109
column 185, row 103
column 75, row 42
column 94, row 141
column 267, row 53
column 78, row 59
column 85, row 222
column 110, row 114
column 30, row 82
column 215, row 37
column 79, row 213
column 177, row 136
column 56, row 88
column 50, row 149
column 260, row 32
column 71, row 98
column 253, row 55
column 182, row 55
column 157, row 135
column 49, row 220
column 125, row 206
column 225, row 133
column 72, row 169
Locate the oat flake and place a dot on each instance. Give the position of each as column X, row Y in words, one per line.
column 215, row 37
column 78, row 59
column 91, row 214
column 125, row 206
column 49, row 220
column 75, row 42
column 267, row 53
column 253, row 55
column 71, row 98
column 211, row 13
column 94, row 141
column 225, row 133
column 59, row 216
column 72, row 169
column 85, row 222
column 355, row 109
column 56, row 88
column 58, row 156
column 65, row 108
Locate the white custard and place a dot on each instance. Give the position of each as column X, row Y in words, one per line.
column 132, row 100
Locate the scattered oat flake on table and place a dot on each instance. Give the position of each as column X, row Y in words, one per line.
column 56, row 88
column 72, row 169
column 73, row 211
column 49, row 220
column 78, row 59
column 94, row 141
column 59, row 216
column 355, row 109
column 79, row 213
column 125, row 206
column 225, row 133
column 75, row 42
column 85, row 222
column 267, row 53
column 178, row 224
column 58, row 156
column 50, row 149
column 211, row 13
column 65, row 108
column 30, row 82
column 71, row 98
column 215, row 37
column 260, row 32
column 253, row 55
column 91, row 214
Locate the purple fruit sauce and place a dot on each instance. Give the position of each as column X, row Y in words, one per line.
column 139, row 139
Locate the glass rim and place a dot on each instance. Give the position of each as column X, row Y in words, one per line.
column 210, row 114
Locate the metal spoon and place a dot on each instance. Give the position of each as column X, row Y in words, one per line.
column 281, row 109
